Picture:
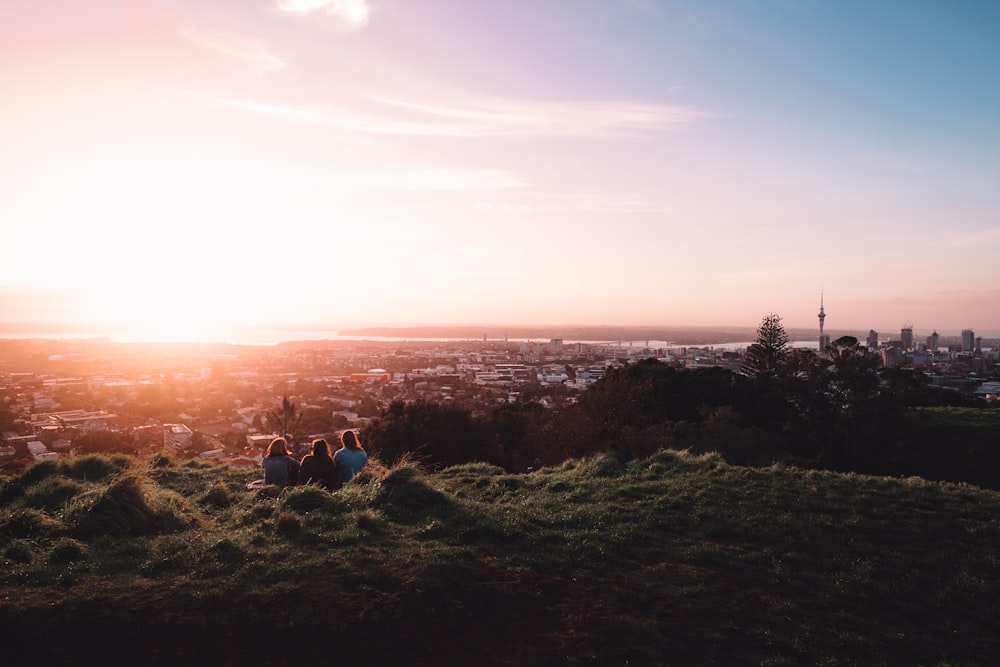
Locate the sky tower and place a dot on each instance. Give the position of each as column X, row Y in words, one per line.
column 824, row 339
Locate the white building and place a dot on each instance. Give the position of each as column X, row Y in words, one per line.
column 177, row 437
column 40, row 452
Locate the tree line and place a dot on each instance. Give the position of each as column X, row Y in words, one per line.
column 839, row 410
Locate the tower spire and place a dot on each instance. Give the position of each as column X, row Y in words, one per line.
column 822, row 314
column 824, row 339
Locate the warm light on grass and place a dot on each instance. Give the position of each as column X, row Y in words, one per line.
column 678, row 554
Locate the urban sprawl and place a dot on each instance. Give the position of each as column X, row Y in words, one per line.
column 212, row 401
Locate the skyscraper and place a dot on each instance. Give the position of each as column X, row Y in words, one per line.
column 968, row 340
column 932, row 342
column 906, row 336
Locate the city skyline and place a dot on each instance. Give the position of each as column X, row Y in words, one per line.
column 179, row 167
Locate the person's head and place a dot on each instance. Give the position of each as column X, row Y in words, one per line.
column 350, row 440
column 278, row 447
column 321, row 448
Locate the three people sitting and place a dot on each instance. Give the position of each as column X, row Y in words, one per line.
column 318, row 467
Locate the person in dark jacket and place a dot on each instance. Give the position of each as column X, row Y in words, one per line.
column 280, row 469
column 318, row 467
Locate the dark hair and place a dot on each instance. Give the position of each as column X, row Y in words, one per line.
column 321, row 448
column 278, row 447
column 350, row 440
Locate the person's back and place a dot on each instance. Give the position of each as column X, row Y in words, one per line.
column 319, row 467
column 351, row 458
column 280, row 469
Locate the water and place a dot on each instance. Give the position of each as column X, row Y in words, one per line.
column 265, row 337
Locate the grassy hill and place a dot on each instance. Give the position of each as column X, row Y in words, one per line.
column 672, row 560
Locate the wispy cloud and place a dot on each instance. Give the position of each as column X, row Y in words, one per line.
column 497, row 117
column 246, row 51
column 981, row 238
column 578, row 203
column 485, row 118
column 425, row 179
column 355, row 13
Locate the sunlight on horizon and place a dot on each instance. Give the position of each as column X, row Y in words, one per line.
column 170, row 166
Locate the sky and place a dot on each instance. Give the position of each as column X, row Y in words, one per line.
column 184, row 165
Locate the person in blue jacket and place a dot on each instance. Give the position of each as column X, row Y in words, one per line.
column 351, row 458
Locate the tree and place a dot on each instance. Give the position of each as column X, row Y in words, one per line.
column 855, row 381
column 104, row 442
column 442, row 435
column 766, row 356
column 286, row 421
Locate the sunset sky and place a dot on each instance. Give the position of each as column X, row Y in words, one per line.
column 186, row 165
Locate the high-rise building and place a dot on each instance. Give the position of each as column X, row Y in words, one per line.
column 872, row 339
column 932, row 342
column 824, row 339
column 968, row 340
column 906, row 336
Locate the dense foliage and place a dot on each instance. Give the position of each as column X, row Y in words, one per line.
column 838, row 411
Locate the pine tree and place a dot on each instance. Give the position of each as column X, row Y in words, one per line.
column 766, row 356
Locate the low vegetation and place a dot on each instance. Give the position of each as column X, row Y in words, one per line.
column 672, row 559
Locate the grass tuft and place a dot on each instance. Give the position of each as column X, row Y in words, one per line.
column 405, row 495
column 19, row 551
column 219, row 496
column 303, row 499
column 119, row 510
column 30, row 523
column 289, row 524
column 52, row 493
column 95, row 467
column 67, row 550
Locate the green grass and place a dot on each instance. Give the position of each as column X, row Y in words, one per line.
column 962, row 418
column 672, row 560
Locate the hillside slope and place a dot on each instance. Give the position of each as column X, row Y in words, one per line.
column 673, row 560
